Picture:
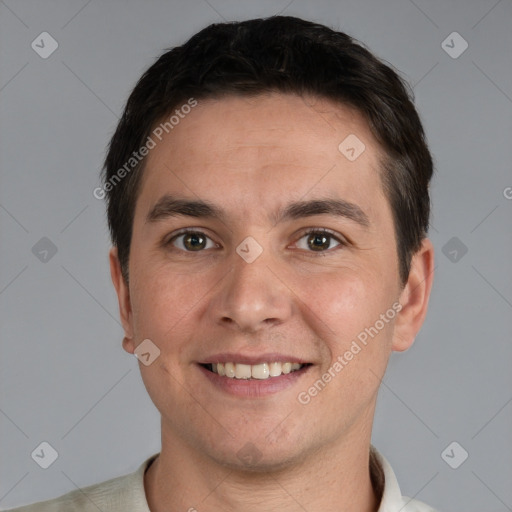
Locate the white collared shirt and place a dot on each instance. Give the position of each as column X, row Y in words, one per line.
column 392, row 499
column 127, row 494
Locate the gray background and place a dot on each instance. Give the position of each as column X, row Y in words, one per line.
column 64, row 376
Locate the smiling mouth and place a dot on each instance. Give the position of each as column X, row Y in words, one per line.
column 259, row 371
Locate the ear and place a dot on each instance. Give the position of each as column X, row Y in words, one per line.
column 414, row 297
column 123, row 298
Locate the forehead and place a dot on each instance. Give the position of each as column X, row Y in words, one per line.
column 257, row 150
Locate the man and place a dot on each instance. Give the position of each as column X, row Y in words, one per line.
column 268, row 202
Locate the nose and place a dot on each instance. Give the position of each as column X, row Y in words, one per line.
column 252, row 297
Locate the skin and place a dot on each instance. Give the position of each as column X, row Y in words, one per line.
column 250, row 157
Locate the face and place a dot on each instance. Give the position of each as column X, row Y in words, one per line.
column 258, row 243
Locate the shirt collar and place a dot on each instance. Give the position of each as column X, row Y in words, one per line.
column 382, row 476
column 384, row 482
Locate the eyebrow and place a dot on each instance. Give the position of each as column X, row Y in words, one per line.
column 169, row 206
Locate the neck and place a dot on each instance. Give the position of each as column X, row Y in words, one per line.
column 335, row 478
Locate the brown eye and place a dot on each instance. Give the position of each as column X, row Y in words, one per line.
column 318, row 241
column 192, row 241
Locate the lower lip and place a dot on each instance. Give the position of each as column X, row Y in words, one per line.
column 254, row 388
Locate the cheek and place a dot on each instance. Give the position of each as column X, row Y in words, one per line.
column 344, row 310
column 161, row 301
column 343, row 300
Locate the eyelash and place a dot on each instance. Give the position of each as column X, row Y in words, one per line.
column 316, row 231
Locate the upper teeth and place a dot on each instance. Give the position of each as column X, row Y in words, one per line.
column 256, row 371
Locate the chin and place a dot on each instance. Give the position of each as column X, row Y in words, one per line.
column 253, row 457
column 256, row 462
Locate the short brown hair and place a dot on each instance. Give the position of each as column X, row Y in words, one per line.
column 278, row 54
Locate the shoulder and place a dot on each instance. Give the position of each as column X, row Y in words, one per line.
column 73, row 501
column 123, row 493
column 87, row 499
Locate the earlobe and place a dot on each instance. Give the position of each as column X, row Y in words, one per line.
column 414, row 297
column 123, row 298
column 128, row 345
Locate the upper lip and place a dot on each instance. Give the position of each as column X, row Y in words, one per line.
column 273, row 357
